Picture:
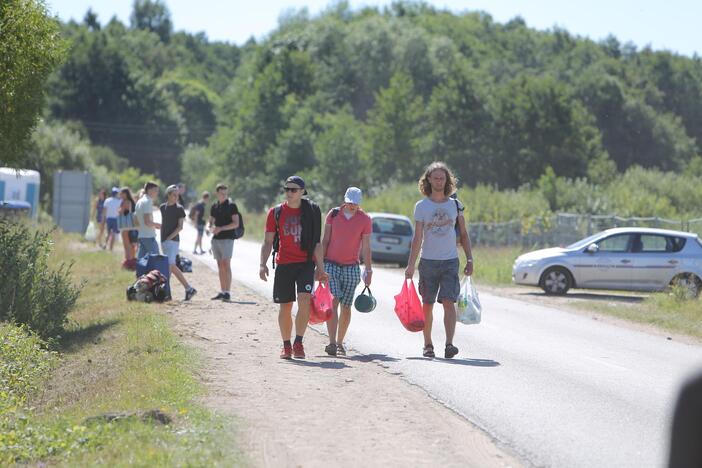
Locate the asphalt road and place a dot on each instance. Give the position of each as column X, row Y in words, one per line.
column 556, row 388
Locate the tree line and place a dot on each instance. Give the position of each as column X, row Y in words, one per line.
column 369, row 96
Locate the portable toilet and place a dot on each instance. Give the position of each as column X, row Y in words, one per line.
column 20, row 185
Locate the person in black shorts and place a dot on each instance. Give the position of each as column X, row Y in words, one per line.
column 198, row 216
column 294, row 227
column 224, row 220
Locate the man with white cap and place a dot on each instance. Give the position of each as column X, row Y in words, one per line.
column 111, row 212
column 347, row 232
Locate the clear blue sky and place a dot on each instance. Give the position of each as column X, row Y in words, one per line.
column 672, row 25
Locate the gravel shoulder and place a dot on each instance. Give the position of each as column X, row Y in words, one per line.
column 343, row 411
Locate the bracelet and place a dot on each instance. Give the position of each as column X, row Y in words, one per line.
column 470, row 260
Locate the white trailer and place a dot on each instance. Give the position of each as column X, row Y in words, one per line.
column 20, row 185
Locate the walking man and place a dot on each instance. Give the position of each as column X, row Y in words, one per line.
column 143, row 213
column 224, row 219
column 347, row 231
column 198, row 216
column 111, row 212
column 172, row 217
column 293, row 231
column 435, row 218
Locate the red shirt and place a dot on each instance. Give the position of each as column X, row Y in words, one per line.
column 346, row 236
column 290, row 233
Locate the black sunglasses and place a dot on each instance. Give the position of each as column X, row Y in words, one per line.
column 291, row 189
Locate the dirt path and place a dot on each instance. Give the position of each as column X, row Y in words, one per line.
column 322, row 411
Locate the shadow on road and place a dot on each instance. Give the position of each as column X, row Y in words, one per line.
column 321, row 365
column 460, row 362
column 592, row 297
column 371, row 357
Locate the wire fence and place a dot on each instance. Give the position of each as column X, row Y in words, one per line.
column 565, row 228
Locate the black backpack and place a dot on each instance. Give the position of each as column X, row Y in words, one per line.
column 239, row 232
column 458, row 211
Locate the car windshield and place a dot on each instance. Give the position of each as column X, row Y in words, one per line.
column 397, row 227
column 585, row 242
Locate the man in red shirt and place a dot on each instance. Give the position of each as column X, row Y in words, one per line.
column 295, row 226
column 347, row 230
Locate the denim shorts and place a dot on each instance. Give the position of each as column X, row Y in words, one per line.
column 147, row 245
column 439, row 277
column 112, row 225
column 170, row 250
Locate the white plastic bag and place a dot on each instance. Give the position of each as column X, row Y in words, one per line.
column 469, row 309
column 90, row 234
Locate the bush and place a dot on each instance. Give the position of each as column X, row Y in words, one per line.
column 32, row 293
column 24, row 362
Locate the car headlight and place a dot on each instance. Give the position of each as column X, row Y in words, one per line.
column 525, row 263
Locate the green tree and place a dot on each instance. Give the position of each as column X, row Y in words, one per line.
column 337, row 149
column 152, row 15
column 394, row 131
column 30, row 48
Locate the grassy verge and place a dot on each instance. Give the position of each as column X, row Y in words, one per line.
column 123, row 358
column 667, row 310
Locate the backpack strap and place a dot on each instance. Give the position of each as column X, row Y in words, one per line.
column 276, row 236
column 335, row 212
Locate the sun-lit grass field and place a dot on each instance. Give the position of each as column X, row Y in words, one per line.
column 116, row 357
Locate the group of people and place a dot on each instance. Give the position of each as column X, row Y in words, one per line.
column 303, row 255
column 139, row 233
column 294, row 233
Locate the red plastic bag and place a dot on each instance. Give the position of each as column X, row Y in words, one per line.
column 408, row 308
column 321, row 306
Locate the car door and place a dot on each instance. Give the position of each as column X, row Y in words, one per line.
column 655, row 259
column 611, row 266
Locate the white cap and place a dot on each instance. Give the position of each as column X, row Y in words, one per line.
column 353, row 195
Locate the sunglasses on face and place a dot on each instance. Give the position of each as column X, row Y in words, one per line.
column 292, row 189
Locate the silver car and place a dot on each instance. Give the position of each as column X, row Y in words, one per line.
column 391, row 240
column 636, row 259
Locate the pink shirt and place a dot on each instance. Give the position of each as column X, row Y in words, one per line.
column 346, row 236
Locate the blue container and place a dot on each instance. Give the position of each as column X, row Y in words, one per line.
column 155, row 262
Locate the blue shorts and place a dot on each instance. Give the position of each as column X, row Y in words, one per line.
column 201, row 228
column 343, row 280
column 147, row 245
column 170, row 250
column 112, row 225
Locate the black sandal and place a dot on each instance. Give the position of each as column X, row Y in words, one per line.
column 450, row 351
column 428, row 351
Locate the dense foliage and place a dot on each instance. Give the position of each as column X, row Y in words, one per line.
column 30, row 48
column 637, row 192
column 31, row 292
column 369, row 96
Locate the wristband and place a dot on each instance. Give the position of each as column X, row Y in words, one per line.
column 470, row 260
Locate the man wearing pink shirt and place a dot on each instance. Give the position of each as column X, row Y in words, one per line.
column 347, row 230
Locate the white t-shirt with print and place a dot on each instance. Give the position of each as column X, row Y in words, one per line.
column 439, row 228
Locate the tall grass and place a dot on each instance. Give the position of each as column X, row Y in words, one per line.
column 115, row 356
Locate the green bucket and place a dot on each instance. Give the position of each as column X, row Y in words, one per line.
column 365, row 302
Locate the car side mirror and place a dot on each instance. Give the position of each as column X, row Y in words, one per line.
column 592, row 248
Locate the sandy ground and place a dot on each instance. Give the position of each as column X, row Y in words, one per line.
column 321, row 411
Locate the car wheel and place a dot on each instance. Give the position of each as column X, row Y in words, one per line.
column 688, row 284
column 403, row 264
column 556, row 281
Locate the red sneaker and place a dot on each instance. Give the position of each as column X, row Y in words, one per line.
column 286, row 353
column 298, row 351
